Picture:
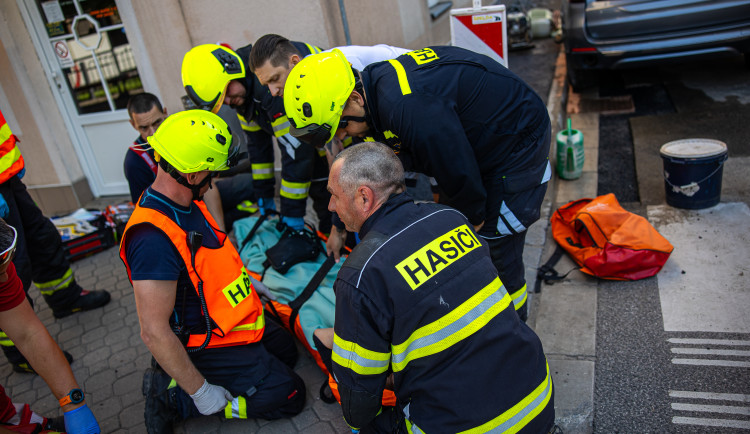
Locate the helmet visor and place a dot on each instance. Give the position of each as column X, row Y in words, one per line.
column 314, row 134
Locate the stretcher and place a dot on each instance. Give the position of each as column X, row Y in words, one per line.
column 305, row 300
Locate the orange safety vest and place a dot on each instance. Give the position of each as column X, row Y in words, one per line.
column 11, row 161
column 232, row 302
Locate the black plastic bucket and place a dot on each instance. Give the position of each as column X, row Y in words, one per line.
column 692, row 172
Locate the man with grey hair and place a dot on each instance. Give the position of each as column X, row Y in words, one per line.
column 420, row 309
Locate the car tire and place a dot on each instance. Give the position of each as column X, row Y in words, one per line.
column 581, row 79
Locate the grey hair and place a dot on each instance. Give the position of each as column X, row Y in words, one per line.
column 372, row 164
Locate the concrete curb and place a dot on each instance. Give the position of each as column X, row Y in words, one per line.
column 564, row 315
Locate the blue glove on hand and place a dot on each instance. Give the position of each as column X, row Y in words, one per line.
column 266, row 204
column 4, row 210
column 294, row 223
column 81, row 421
column 21, row 173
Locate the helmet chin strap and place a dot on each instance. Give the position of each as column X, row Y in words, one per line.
column 195, row 189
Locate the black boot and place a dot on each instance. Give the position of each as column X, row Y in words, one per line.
column 160, row 413
column 87, row 300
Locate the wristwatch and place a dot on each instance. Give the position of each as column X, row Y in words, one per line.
column 73, row 397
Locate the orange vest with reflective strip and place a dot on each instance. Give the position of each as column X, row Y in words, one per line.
column 11, row 161
column 232, row 302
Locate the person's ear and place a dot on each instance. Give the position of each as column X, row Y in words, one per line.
column 132, row 123
column 293, row 61
column 356, row 98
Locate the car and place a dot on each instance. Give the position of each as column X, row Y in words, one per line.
column 617, row 34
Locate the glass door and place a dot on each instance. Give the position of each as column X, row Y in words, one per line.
column 91, row 64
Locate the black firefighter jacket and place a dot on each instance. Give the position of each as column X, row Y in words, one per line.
column 263, row 117
column 470, row 123
column 420, row 297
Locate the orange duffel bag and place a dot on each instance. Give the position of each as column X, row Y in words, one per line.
column 609, row 242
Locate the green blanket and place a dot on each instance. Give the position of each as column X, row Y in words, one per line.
column 318, row 311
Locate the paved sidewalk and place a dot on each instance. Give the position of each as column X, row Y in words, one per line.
column 110, row 357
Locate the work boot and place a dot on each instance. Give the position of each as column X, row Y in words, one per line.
column 86, row 301
column 23, row 366
column 160, row 412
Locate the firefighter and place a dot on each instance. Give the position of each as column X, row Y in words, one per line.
column 214, row 75
column 226, row 202
column 420, row 308
column 188, row 279
column 458, row 116
column 40, row 256
column 271, row 60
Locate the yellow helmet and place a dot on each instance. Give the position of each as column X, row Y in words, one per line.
column 206, row 72
column 315, row 95
column 196, row 140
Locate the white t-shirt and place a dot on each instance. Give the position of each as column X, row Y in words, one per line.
column 360, row 56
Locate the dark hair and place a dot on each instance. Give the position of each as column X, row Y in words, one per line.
column 6, row 235
column 275, row 48
column 143, row 103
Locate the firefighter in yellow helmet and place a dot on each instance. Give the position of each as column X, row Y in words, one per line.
column 214, row 75
column 198, row 307
column 460, row 117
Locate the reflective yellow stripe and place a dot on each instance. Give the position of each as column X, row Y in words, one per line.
column 518, row 416
column 8, row 159
column 172, row 384
column 447, row 331
column 294, row 190
column 347, row 141
column 236, row 408
column 248, row 126
column 359, row 359
column 56, row 284
column 401, row 74
column 5, row 340
column 280, row 126
column 262, row 170
column 257, row 325
column 5, row 133
column 313, row 49
column 247, row 206
column 519, row 297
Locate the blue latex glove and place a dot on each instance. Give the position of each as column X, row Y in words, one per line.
column 81, row 421
column 266, row 204
column 294, row 223
column 4, row 210
column 21, row 173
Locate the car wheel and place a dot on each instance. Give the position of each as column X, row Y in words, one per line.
column 581, row 79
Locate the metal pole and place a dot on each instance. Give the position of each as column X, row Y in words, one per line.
column 346, row 23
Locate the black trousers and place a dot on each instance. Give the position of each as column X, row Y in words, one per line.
column 39, row 252
column 259, row 374
column 507, row 255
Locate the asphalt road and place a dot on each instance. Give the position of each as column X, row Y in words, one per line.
column 659, row 370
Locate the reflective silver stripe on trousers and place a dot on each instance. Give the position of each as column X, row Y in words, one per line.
column 511, row 218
